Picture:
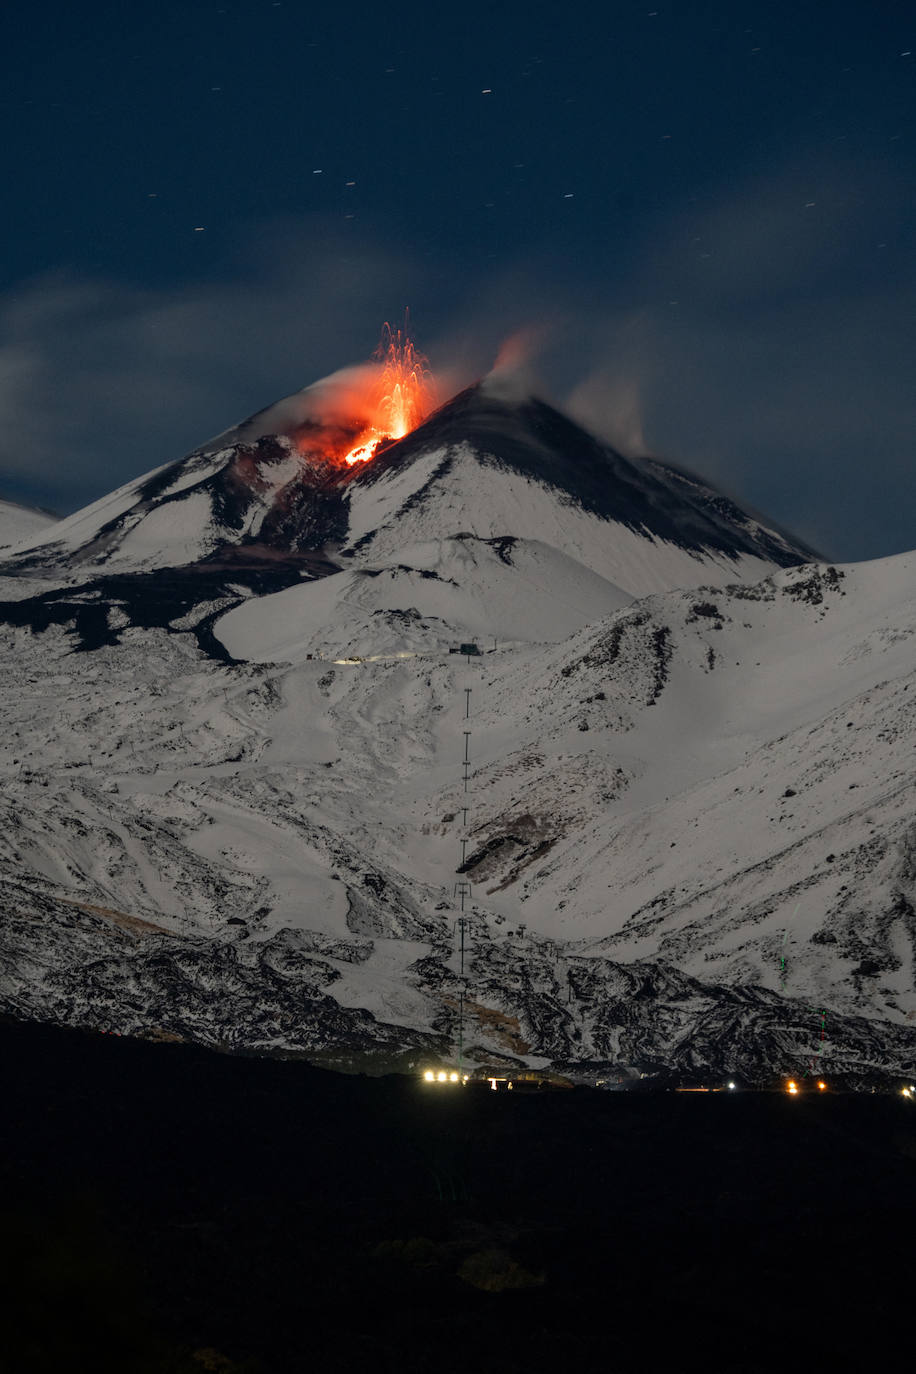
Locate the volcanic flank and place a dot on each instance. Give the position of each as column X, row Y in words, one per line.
column 234, row 720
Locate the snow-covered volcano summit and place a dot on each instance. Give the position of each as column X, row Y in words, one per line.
column 497, row 459
column 273, row 490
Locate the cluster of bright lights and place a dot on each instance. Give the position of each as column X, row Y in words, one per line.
column 792, row 1087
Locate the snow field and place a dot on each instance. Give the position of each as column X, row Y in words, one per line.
column 291, row 818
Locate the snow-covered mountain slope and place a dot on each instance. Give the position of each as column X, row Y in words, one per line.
column 689, row 825
column 437, row 594
column 184, row 512
column 723, row 780
column 493, row 467
column 18, row 523
column 480, row 465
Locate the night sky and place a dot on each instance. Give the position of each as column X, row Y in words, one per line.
column 701, row 215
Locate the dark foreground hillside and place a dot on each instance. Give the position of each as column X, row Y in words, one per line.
column 167, row 1209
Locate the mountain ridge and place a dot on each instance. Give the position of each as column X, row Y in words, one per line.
column 275, row 492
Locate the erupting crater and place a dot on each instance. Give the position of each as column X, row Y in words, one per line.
column 399, row 394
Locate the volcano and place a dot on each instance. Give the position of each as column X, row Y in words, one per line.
column 493, row 517
column 247, row 777
column 273, row 490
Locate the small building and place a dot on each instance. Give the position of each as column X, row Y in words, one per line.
column 522, row 1080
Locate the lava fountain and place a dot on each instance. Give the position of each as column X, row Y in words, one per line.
column 401, row 393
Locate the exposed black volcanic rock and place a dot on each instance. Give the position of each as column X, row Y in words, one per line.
column 284, row 494
column 305, row 512
column 96, row 613
column 645, row 1017
column 538, row 441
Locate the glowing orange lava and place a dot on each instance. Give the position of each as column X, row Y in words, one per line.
column 401, row 396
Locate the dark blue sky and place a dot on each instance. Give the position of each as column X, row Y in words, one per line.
column 708, row 206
